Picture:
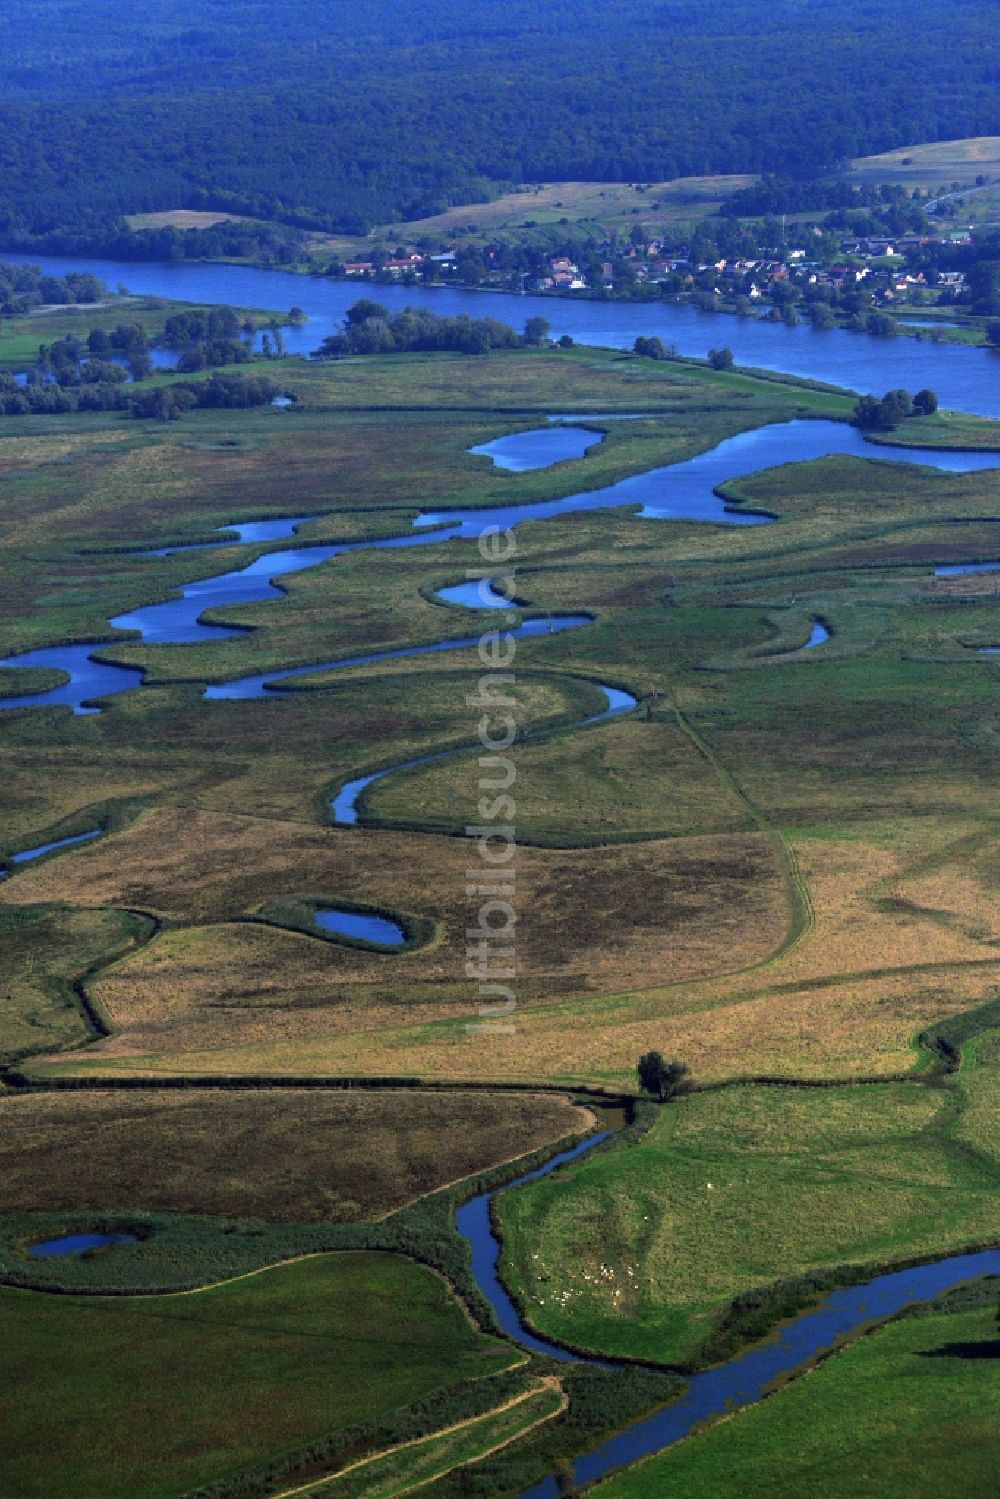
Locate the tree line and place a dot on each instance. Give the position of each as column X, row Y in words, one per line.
column 25, row 287
column 160, row 402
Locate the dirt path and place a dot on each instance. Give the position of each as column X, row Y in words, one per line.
column 548, row 1381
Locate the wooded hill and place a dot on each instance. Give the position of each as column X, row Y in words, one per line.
column 338, row 119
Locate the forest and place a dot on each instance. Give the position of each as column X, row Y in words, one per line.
column 283, row 112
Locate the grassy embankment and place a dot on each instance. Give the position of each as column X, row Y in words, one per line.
column 421, row 1462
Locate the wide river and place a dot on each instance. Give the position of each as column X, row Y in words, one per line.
column 964, row 379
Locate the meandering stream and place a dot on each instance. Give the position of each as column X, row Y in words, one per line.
column 678, row 491
column 683, row 491
column 740, row 1381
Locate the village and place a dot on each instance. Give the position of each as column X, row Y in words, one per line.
column 866, row 274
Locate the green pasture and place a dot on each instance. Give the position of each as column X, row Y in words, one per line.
column 639, row 1252
column 158, row 1394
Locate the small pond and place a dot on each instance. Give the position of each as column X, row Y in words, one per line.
column 479, row 593
column 77, row 1244
column 521, row 452
column 360, row 924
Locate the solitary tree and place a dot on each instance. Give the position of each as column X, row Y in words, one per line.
column 536, row 329
column 720, row 359
column 660, row 1078
column 649, row 348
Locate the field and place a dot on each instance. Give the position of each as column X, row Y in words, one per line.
column 909, row 1412
column 555, row 209
column 641, row 1252
column 305, row 1157
column 554, row 212
column 255, row 1367
column 781, row 867
column 933, row 165
column 181, row 218
column 741, row 842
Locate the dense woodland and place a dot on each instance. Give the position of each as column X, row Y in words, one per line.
column 315, row 116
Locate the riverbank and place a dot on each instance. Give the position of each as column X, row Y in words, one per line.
column 864, row 362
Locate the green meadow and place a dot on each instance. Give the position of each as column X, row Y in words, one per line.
column 641, row 1252
column 160, row 1394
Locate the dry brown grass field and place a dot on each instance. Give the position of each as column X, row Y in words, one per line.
column 591, row 922
column 299, row 1156
column 181, row 218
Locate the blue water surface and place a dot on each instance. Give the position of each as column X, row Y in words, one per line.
column 965, row 379
column 360, row 924
column 77, row 1244
column 521, row 452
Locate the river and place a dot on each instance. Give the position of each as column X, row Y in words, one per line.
column 677, row 491
column 738, row 1382
column 966, row 379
